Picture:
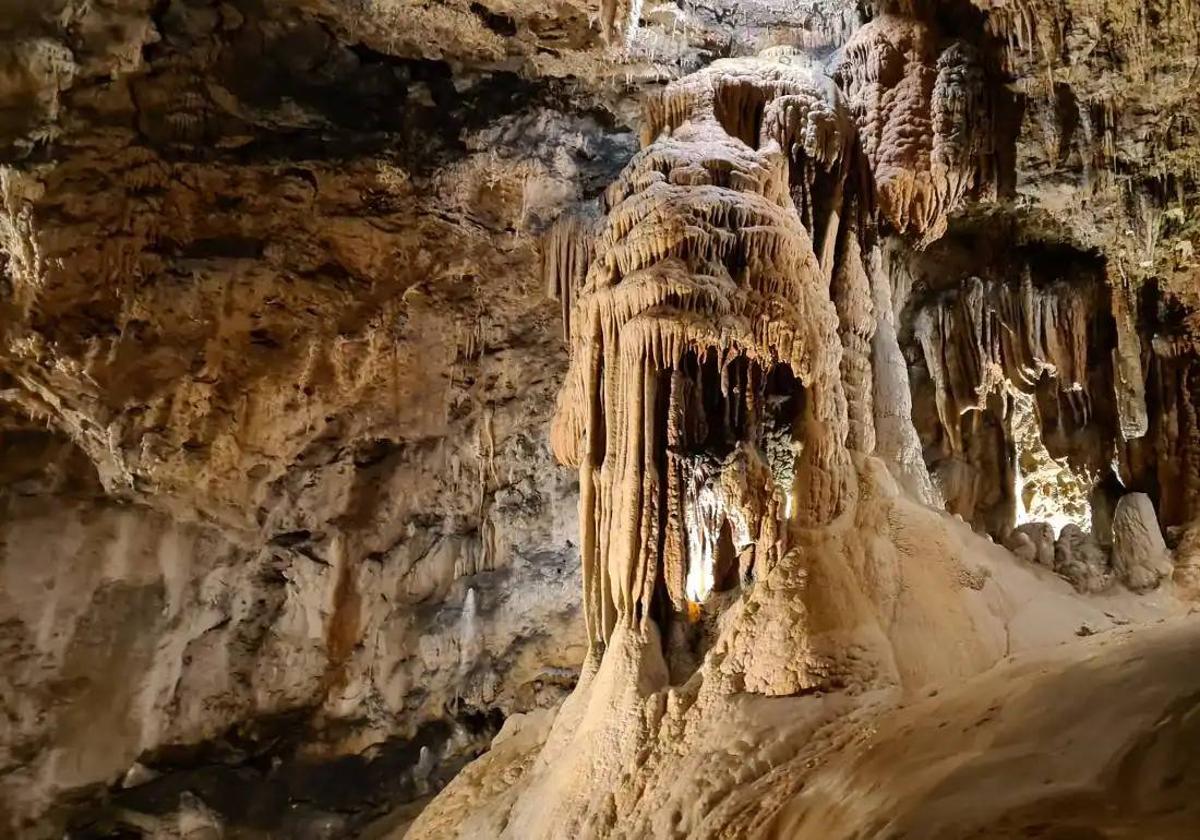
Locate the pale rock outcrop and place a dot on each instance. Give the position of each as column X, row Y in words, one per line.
column 1039, row 535
column 1081, row 560
column 1140, row 555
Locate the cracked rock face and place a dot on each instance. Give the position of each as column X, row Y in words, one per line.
column 649, row 397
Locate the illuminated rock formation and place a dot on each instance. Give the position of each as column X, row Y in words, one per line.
column 703, row 327
column 1081, row 560
column 1140, row 556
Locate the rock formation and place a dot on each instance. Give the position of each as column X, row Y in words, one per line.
column 703, row 326
column 1140, row 556
column 640, row 418
column 1081, row 560
column 737, row 159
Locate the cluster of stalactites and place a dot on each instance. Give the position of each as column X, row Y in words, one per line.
column 566, row 255
column 1174, row 382
column 1129, row 380
column 923, row 116
column 723, row 509
column 992, row 334
column 701, row 256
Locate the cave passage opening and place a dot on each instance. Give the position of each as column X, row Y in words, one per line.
column 734, row 428
column 1014, row 394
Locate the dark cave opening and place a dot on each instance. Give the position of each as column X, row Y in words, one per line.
column 733, row 436
column 1011, row 370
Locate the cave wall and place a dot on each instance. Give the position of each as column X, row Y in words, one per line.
column 290, row 325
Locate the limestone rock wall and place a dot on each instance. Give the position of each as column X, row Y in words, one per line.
column 295, row 341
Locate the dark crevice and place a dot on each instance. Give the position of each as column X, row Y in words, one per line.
column 499, row 23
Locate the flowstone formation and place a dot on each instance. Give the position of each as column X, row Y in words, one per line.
column 720, row 314
column 703, row 327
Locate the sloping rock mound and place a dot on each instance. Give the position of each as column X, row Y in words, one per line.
column 805, row 670
column 1092, row 739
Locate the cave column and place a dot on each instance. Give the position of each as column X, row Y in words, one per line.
column 896, row 439
column 1128, row 378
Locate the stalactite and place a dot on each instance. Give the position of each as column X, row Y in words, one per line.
column 566, row 254
column 1127, row 362
column 619, row 19
column 1175, row 430
column 923, row 117
column 992, row 333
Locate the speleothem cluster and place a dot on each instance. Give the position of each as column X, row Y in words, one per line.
column 280, row 521
column 721, row 315
column 747, row 335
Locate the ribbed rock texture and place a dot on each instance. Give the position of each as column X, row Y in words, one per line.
column 706, row 396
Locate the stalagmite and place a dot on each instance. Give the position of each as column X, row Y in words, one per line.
column 723, row 300
column 874, row 299
column 1079, row 559
column 852, row 296
column 1140, row 556
column 896, row 438
column 1022, row 546
column 1041, row 537
column 766, row 344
